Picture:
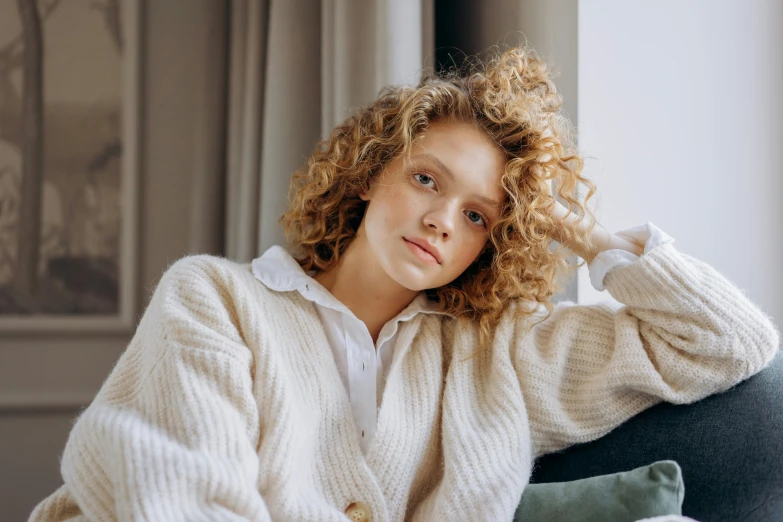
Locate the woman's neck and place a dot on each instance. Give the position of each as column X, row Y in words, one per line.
column 360, row 283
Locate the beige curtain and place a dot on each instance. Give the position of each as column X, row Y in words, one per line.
column 297, row 67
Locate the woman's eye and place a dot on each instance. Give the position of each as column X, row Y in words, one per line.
column 472, row 215
column 420, row 176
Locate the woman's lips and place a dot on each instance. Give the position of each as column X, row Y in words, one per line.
column 421, row 253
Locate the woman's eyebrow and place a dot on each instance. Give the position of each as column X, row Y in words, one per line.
column 442, row 166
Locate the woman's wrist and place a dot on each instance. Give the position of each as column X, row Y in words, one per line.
column 601, row 238
column 603, row 241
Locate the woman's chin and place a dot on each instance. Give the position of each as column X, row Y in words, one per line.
column 415, row 281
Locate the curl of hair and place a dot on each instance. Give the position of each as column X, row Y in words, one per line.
column 513, row 99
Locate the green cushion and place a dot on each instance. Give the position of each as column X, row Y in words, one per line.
column 655, row 489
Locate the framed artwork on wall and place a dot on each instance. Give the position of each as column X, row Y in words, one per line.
column 69, row 165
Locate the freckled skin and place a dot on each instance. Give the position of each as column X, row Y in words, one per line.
column 416, row 198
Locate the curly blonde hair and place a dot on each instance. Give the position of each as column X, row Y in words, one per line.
column 513, row 99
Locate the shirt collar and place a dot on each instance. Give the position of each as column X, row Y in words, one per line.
column 279, row 271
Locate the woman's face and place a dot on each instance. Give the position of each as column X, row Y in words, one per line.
column 446, row 194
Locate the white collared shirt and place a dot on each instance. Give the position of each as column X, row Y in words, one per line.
column 362, row 364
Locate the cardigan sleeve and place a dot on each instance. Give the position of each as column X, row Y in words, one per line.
column 172, row 433
column 679, row 331
column 648, row 235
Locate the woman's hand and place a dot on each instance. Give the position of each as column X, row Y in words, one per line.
column 600, row 237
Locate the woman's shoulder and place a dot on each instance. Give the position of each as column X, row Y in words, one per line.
column 204, row 274
column 204, row 266
column 512, row 311
column 223, row 281
column 518, row 316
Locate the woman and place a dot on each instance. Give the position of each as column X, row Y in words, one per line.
column 407, row 361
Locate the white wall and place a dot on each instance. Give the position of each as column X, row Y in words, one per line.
column 681, row 116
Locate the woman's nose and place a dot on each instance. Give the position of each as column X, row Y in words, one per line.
column 442, row 218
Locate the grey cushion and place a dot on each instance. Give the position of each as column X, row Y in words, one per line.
column 652, row 490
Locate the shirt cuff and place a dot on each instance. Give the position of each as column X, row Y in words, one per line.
column 648, row 235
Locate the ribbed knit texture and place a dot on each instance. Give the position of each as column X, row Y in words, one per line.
column 227, row 403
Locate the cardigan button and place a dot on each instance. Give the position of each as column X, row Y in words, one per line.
column 359, row 512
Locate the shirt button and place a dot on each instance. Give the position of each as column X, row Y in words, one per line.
column 359, row 512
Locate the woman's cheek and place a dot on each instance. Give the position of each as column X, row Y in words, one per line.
column 413, row 200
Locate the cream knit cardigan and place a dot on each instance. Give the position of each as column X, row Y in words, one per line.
column 227, row 404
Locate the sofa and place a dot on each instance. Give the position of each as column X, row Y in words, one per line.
column 728, row 445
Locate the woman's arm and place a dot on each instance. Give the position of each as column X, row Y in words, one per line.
column 172, row 433
column 679, row 332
